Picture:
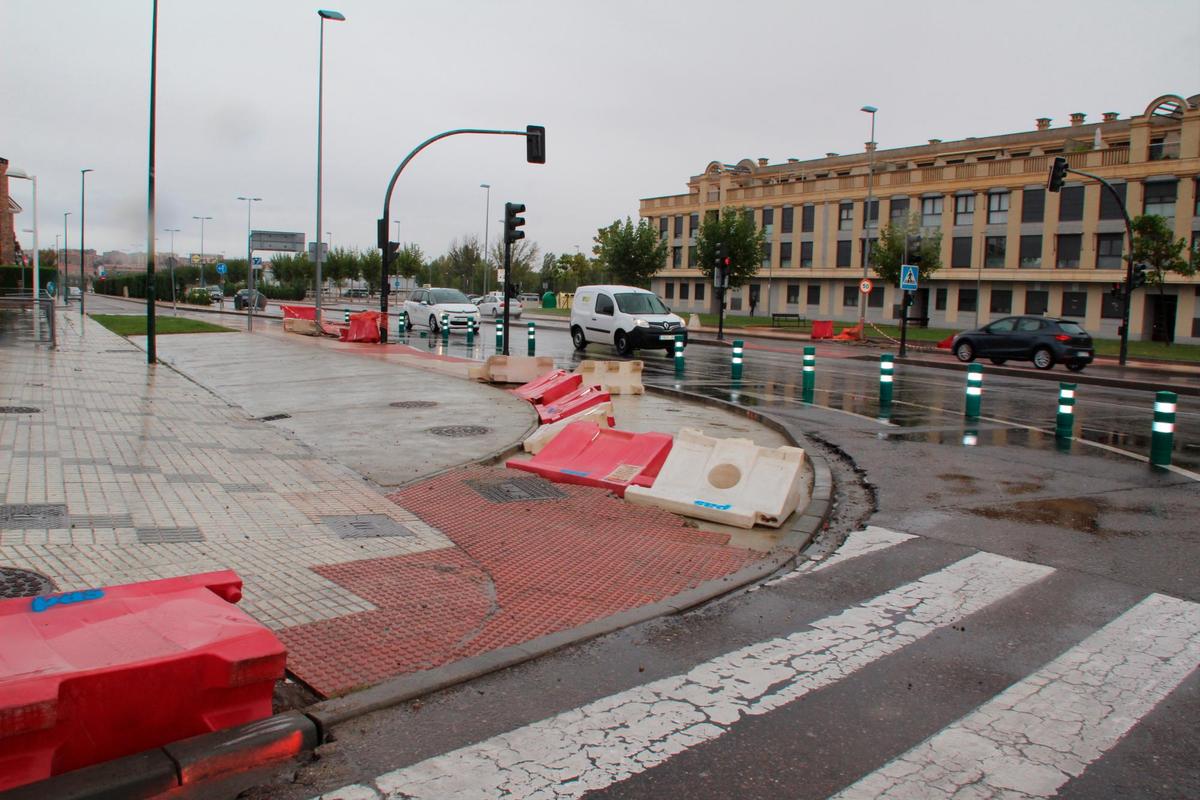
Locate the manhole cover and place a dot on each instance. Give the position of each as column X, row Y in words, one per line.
column 515, row 490
column 365, row 526
column 19, row 410
column 413, row 404
column 33, row 515
column 23, row 583
column 459, row 431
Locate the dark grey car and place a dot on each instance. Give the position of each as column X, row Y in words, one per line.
column 1045, row 341
column 242, row 299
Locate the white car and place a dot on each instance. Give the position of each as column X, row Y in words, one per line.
column 425, row 307
column 626, row 317
column 492, row 305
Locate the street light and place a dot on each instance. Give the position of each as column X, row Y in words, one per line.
column 337, row 17
column 201, row 248
column 66, row 258
column 37, row 286
column 487, row 212
column 862, row 298
column 174, row 301
column 82, row 218
column 250, row 299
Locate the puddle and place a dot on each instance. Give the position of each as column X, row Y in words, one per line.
column 1077, row 513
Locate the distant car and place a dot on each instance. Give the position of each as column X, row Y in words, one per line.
column 530, row 298
column 74, row 293
column 476, row 299
column 424, row 307
column 1045, row 341
column 493, row 306
column 215, row 293
column 357, row 293
column 242, row 299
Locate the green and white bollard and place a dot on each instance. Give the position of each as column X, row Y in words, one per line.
column 445, row 326
column 887, row 366
column 402, row 324
column 1162, row 437
column 470, row 331
column 736, row 359
column 679, row 353
column 346, row 316
column 499, row 336
column 1064, row 422
column 974, row 389
column 532, row 338
column 809, row 374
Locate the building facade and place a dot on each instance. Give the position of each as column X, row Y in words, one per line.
column 1008, row 245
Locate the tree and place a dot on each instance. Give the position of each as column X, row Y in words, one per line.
column 743, row 242
column 370, row 265
column 409, row 262
column 889, row 253
column 464, row 264
column 1155, row 245
column 524, row 256
column 48, row 257
column 632, row 254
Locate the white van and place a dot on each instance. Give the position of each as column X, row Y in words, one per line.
column 626, row 317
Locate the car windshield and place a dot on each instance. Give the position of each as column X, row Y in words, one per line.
column 640, row 303
column 1072, row 328
column 448, row 296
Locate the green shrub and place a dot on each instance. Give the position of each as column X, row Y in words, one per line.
column 284, row 291
column 198, row 297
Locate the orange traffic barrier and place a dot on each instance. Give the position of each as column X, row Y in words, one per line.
column 549, row 387
column 848, row 334
column 586, row 454
column 822, row 329
column 298, row 312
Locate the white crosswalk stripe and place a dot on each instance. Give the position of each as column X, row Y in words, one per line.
column 609, row 740
column 1046, row 729
column 871, row 539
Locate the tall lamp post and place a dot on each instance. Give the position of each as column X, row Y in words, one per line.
column 37, row 276
column 66, row 265
column 201, row 248
column 82, row 217
column 337, row 17
column 487, row 212
column 862, row 298
column 174, row 300
column 251, row 300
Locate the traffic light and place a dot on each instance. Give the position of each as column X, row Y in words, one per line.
column 1139, row 275
column 512, row 222
column 719, row 256
column 1058, row 174
column 381, row 233
column 1115, row 291
column 392, row 249
column 512, row 291
column 535, row 144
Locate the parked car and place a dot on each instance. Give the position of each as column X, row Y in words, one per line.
column 242, row 299
column 1045, row 341
column 357, row 293
column 425, row 306
column 492, row 305
column 476, row 299
column 74, row 293
column 215, row 293
column 529, row 297
column 626, row 317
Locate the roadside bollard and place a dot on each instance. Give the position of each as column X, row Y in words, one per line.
column 346, row 316
column 1162, row 437
column 470, row 331
column 809, row 374
column 1064, row 423
column 736, row 362
column 886, row 366
column 532, row 338
column 499, row 335
column 679, row 353
column 974, row 389
column 402, row 324
column 970, row 437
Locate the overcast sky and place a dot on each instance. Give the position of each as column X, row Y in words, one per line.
column 636, row 97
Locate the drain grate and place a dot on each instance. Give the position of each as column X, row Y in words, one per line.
column 459, row 431
column 413, row 404
column 169, row 535
column 273, row 417
column 23, row 583
column 33, row 515
column 516, row 490
column 102, row 521
column 365, row 526
column 244, row 487
column 190, row 477
column 19, row 410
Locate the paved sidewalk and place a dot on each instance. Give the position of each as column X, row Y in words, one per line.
column 140, row 473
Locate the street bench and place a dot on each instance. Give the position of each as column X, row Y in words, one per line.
column 787, row 320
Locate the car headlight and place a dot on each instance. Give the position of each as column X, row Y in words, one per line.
column 641, row 323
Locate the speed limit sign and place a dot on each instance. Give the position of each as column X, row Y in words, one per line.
column 864, row 286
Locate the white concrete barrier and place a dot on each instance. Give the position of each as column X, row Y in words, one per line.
column 614, row 377
column 731, row 481
column 601, row 414
column 512, row 369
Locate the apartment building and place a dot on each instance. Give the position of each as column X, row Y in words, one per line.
column 1008, row 245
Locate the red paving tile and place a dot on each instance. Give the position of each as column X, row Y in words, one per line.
column 519, row 570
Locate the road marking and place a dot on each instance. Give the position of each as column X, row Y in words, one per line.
column 871, row 539
column 618, row 736
column 1041, row 732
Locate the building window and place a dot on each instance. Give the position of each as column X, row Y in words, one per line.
column 1069, row 245
column 693, row 225
column 939, row 299
column 768, row 220
column 1109, row 247
column 678, row 226
column 814, row 295
column 662, row 227
column 676, row 257
column 1160, row 198
column 850, row 296
column 1111, row 306
column 1036, row 301
column 1031, row 252
column 994, row 248
column 699, row 291
column 785, row 255
column 875, row 298
column 997, row 208
column 766, row 254
column 964, row 209
column 931, row 212
column 684, row 286
column 1033, row 205
column 872, row 212
column 1109, row 207
column 806, row 254
column 967, row 299
column 669, row 293
column 960, row 251
column 898, row 211
column 735, row 301
column 843, row 253
column 692, row 257
column 1001, row 301
column 808, row 215
column 793, row 294
column 1074, row 304
column 786, row 219
column 869, row 246
column 1070, row 204
column 845, row 216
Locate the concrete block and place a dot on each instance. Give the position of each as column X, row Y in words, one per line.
column 516, row 369
column 614, row 377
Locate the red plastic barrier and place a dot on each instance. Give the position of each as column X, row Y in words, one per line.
column 364, row 327
column 944, row 344
column 93, row 675
column 586, row 454
column 822, row 329
column 849, row 333
column 549, row 387
column 299, row 312
column 571, row 403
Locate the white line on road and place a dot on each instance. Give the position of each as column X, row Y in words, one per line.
column 1041, row 732
column 859, row 543
column 618, row 736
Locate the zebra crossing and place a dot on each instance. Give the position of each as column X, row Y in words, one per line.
column 1027, row 741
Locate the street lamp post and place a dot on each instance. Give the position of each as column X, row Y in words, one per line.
column 62, row 273
column 337, row 17
column 37, row 285
column 201, row 248
column 82, row 217
column 174, row 300
column 487, row 212
column 251, row 300
column 862, row 298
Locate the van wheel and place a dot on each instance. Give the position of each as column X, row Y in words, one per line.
column 577, row 338
column 623, row 344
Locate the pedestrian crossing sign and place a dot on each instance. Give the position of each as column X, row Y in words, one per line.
column 908, row 278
